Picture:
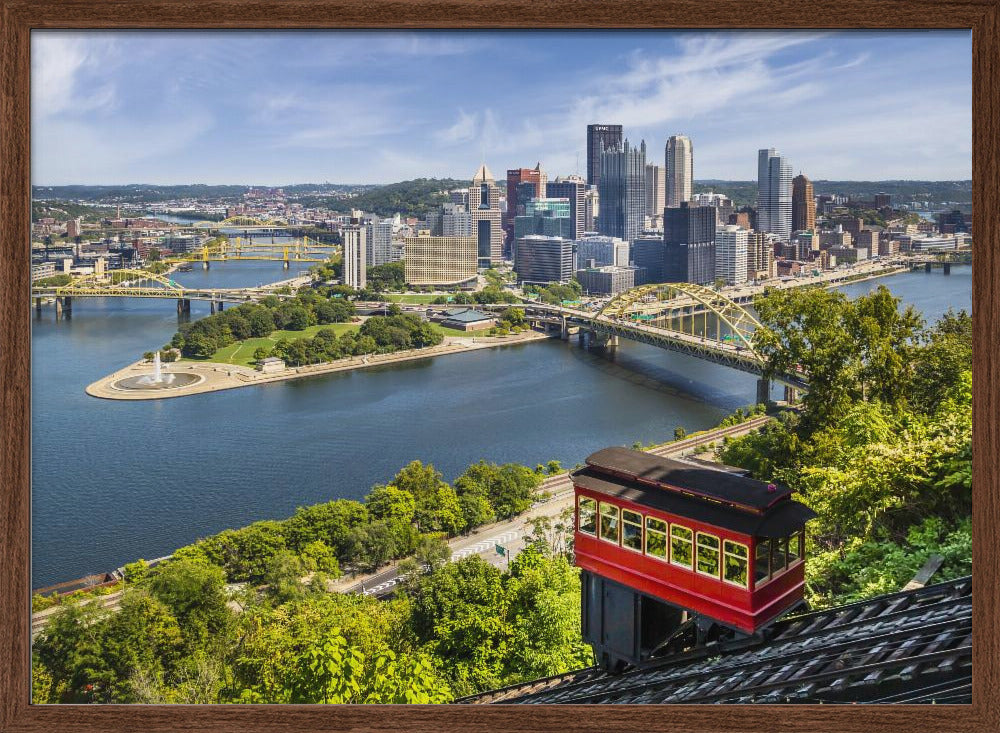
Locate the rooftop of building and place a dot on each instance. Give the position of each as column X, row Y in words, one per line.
column 466, row 315
column 483, row 175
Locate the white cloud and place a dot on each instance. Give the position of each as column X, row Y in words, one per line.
column 462, row 131
column 70, row 151
column 57, row 62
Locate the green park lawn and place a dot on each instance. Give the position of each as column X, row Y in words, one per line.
column 241, row 352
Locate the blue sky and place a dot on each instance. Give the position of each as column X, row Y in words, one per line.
column 376, row 107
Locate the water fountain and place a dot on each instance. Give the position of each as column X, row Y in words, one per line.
column 157, row 377
column 160, row 379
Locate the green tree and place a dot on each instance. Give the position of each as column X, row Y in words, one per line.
column 317, row 556
column 391, row 502
column 432, row 550
column 195, row 594
column 283, row 577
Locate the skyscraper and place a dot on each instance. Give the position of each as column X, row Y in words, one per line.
column 484, row 208
column 541, row 259
column 440, row 261
column 731, row 254
column 622, row 191
column 774, row 193
column 803, row 204
column 656, row 199
column 600, row 137
column 355, row 256
column 679, row 170
column 548, row 216
column 573, row 188
column 378, row 240
column 515, row 205
column 689, row 244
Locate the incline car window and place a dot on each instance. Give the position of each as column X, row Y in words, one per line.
column 609, row 522
column 708, row 554
column 795, row 547
column 681, row 551
column 762, row 563
column 735, row 562
column 779, row 555
column 588, row 515
column 656, row 538
column 631, row 530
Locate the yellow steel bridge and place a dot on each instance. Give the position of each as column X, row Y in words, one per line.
column 304, row 249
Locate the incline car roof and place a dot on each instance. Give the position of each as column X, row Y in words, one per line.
column 781, row 520
column 738, row 491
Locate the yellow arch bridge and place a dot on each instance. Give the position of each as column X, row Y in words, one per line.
column 683, row 317
column 304, row 249
column 144, row 284
column 243, row 222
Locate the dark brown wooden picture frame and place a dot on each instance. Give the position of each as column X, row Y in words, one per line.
column 19, row 17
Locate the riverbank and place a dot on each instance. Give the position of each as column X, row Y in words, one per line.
column 214, row 376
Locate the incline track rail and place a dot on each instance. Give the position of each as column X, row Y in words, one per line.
column 912, row 646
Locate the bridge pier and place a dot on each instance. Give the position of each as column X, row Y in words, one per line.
column 222, row 306
column 927, row 267
column 285, row 264
column 791, row 394
column 564, row 329
column 204, row 265
column 605, row 342
column 763, row 391
column 38, row 305
column 947, row 268
column 183, row 307
column 64, row 306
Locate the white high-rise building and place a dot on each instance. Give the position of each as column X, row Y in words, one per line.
column 355, row 256
column 774, row 193
column 679, row 170
column 731, row 254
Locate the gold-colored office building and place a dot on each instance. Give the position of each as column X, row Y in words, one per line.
column 440, row 261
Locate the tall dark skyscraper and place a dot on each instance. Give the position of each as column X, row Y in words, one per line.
column 647, row 253
column 622, row 191
column 600, row 137
column 689, row 242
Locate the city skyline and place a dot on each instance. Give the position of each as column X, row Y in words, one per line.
column 377, row 107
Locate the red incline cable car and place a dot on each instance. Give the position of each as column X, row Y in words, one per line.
column 676, row 554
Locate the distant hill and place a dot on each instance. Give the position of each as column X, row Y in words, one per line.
column 409, row 198
column 146, row 193
column 418, row 196
column 744, row 193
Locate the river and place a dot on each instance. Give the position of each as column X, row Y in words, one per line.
column 114, row 481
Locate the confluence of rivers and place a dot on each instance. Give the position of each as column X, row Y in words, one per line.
column 114, row 481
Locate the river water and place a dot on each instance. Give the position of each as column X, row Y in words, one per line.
column 114, row 481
